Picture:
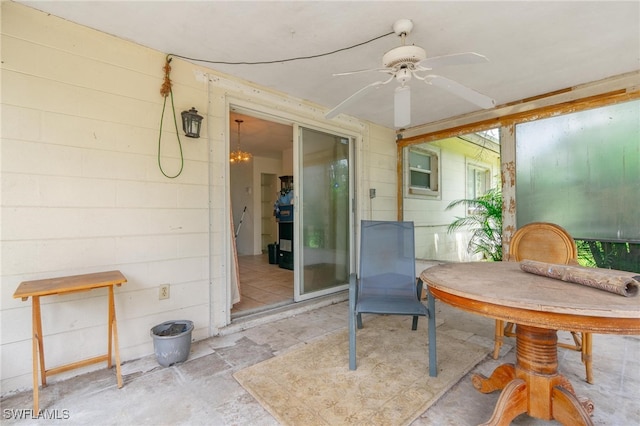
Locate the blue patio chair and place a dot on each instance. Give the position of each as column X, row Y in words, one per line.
column 386, row 282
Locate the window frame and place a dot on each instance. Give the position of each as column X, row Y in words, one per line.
column 434, row 173
column 473, row 166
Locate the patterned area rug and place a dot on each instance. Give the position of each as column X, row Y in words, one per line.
column 313, row 385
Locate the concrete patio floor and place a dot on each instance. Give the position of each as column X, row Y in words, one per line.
column 202, row 391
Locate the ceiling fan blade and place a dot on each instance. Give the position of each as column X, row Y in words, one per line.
column 362, row 71
column 351, row 99
column 453, row 59
column 402, row 107
column 462, row 91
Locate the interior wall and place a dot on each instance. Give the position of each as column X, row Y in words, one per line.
column 287, row 162
column 269, row 166
column 269, row 183
column 245, row 183
column 241, row 181
column 82, row 191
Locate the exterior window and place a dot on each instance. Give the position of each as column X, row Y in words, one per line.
column 422, row 174
column 478, row 180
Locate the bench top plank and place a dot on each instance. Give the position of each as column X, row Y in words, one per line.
column 50, row 286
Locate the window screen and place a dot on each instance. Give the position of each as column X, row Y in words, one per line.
column 582, row 171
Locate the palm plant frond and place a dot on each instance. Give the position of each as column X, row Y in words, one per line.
column 484, row 222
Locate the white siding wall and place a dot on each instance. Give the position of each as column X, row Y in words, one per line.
column 82, row 191
column 381, row 175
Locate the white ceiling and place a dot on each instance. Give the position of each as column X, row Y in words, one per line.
column 534, row 47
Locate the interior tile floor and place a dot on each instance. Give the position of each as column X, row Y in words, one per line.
column 262, row 285
column 202, row 391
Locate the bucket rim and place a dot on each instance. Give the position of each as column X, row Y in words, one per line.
column 188, row 323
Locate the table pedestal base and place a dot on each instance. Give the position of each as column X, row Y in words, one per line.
column 533, row 385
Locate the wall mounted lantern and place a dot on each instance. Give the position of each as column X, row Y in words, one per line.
column 191, row 123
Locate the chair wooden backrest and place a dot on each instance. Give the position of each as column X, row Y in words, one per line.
column 543, row 242
column 551, row 243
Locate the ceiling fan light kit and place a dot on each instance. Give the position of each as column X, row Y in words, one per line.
column 405, row 62
column 402, row 110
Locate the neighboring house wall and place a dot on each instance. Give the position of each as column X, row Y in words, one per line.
column 82, row 191
column 431, row 217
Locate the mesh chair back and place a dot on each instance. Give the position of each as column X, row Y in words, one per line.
column 387, row 259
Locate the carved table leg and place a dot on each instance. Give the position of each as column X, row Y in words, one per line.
column 512, row 403
column 567, row 409
column 534, row 385
column 500, row 377
column 586, row 403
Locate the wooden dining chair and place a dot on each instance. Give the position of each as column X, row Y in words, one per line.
column 545, row 242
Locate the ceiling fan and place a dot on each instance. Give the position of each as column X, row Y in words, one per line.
column 406, row 62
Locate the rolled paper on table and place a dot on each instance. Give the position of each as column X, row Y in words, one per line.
column 603, row 279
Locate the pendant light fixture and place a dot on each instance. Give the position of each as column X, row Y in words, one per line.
column 239, row 156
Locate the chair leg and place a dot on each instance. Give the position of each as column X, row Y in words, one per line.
column 353, row 294
column 433, row 355
column 577, row 340
column 508, row 330
column 586, row 355
column 576, row 345
column 499, row 337
column 419, row 283
column 352, row 341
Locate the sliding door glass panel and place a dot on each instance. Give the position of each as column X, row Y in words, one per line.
column 325, row 220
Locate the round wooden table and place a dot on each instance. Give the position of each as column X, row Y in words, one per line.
column 539, row 306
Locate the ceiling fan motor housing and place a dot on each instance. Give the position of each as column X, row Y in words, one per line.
column 404, row 55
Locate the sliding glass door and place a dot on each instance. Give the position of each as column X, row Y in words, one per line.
column 323, row 239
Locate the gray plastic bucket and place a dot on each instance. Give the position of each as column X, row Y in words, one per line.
column 172, row 341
